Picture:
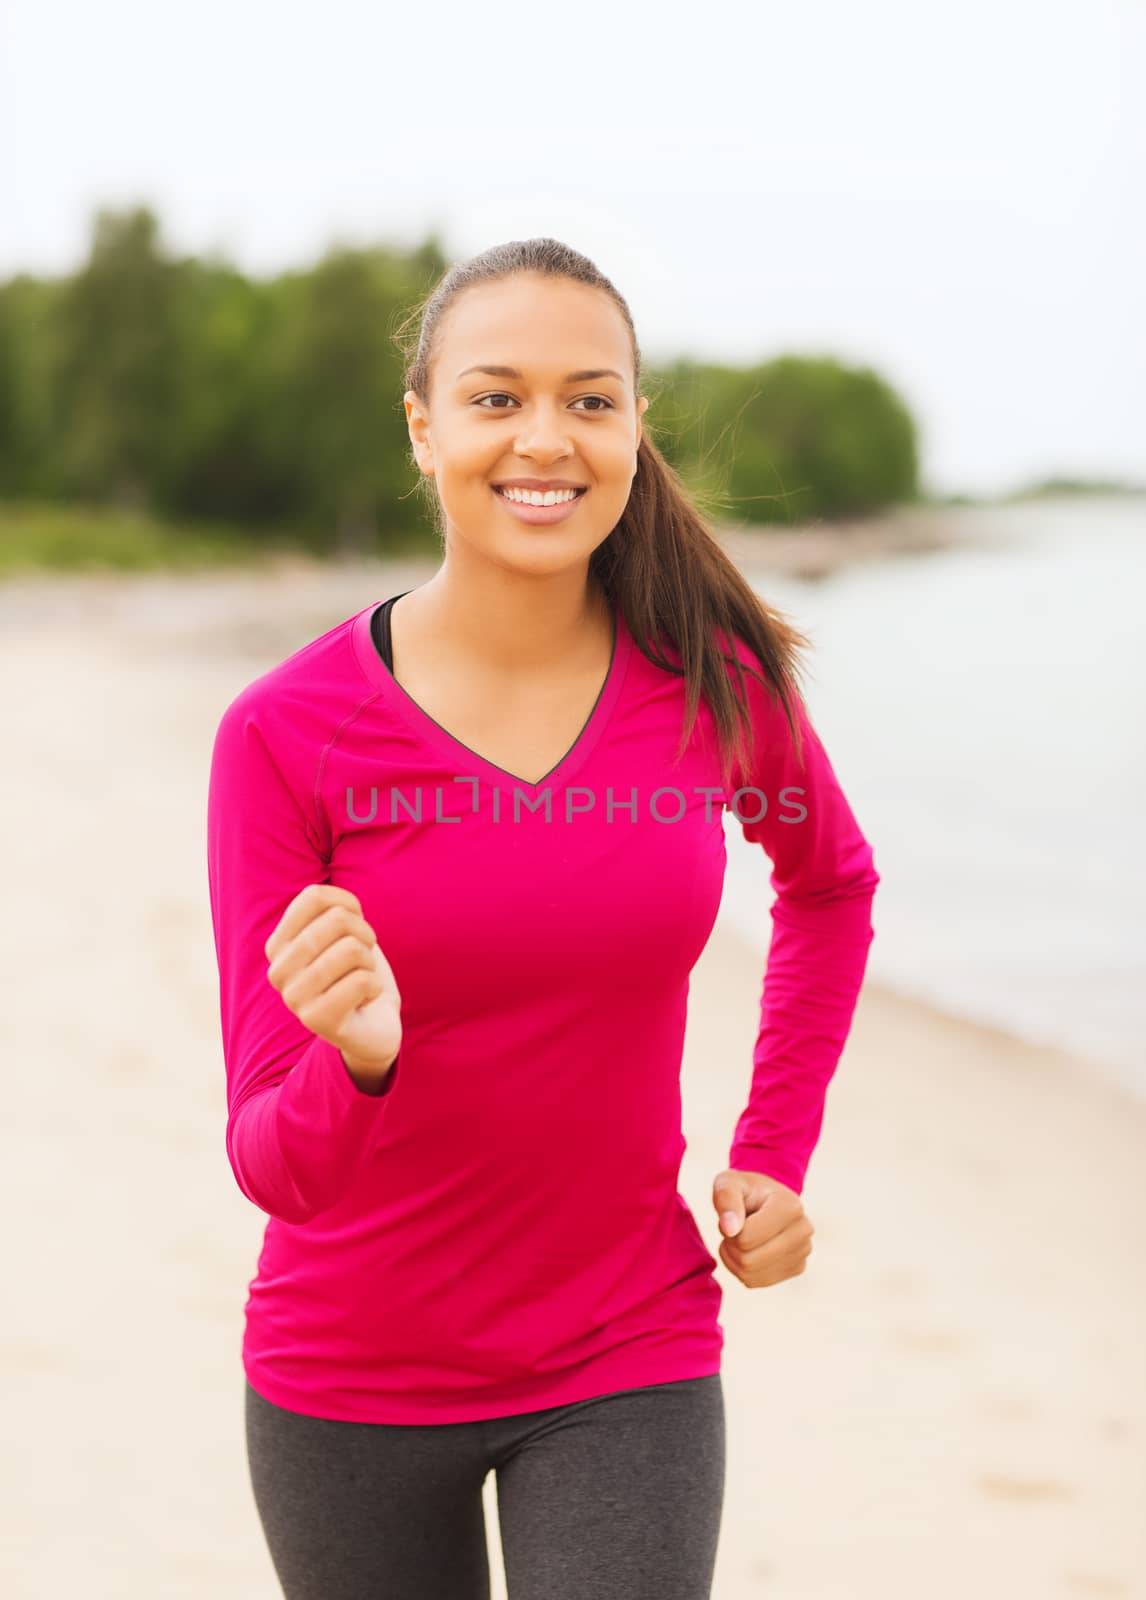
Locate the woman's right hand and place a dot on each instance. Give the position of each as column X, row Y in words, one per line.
column 326, row 963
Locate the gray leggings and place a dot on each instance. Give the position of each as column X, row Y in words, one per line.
column 614, row 1498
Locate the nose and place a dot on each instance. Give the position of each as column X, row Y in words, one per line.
column 544, row 434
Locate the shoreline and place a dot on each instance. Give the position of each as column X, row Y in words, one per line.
column 811, row 550
column 818, row 550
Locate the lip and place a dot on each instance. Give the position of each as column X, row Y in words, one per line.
column 538, row 483
column 541, row 516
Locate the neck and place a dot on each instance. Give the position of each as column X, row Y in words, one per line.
column 510, row 622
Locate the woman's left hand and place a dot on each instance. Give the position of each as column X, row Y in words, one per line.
column 766, row 1235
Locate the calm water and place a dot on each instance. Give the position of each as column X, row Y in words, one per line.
column 985, row 711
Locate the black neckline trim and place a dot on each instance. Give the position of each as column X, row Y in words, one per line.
column 380, row 636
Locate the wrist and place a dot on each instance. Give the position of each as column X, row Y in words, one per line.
column 370, row 1076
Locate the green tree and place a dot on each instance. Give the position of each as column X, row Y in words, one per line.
column 793, row 439
column 341, row 412
column 26, row 307
column 226, row 463
column 117, row 372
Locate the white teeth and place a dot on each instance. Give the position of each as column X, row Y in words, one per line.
column 534, row 497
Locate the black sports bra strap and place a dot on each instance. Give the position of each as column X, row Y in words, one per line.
column 380, row 629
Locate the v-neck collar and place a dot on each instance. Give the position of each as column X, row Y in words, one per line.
column 442, row 740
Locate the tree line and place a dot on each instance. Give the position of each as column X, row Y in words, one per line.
column 181, row 386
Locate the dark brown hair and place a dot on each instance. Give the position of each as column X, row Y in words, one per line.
column 661, row 563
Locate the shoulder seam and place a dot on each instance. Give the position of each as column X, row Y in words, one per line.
column 320, row 770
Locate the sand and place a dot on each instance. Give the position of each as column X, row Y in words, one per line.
column 950, row 1401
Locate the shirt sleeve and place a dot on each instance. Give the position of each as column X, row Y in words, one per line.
column 299, row 1129
column 824, row 880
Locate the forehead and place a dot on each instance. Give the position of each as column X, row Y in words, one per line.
column 540, row 326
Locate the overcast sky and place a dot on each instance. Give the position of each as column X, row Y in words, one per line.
column 953, row 194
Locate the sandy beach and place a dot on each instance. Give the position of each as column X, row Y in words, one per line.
column 950, row 1401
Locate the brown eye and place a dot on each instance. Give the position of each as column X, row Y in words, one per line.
column 605, row 404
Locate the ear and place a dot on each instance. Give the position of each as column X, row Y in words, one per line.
column 418, row 424
column 642, row 407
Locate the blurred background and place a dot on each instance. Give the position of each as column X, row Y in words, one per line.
column 886, row 267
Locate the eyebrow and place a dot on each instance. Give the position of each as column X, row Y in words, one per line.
column 570, row 377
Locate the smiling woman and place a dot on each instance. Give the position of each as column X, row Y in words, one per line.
column 571, row 414
column 456, row 1087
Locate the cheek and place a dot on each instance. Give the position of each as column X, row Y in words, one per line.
column 463, row 476
column 618, row 459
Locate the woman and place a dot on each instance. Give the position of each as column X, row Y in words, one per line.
column 465, row 849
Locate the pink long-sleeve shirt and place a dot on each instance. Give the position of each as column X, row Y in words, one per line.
column 501, row 1230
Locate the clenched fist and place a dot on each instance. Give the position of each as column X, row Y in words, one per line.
column 326, row 963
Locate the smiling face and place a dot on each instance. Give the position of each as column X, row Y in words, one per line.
column 561, row 407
